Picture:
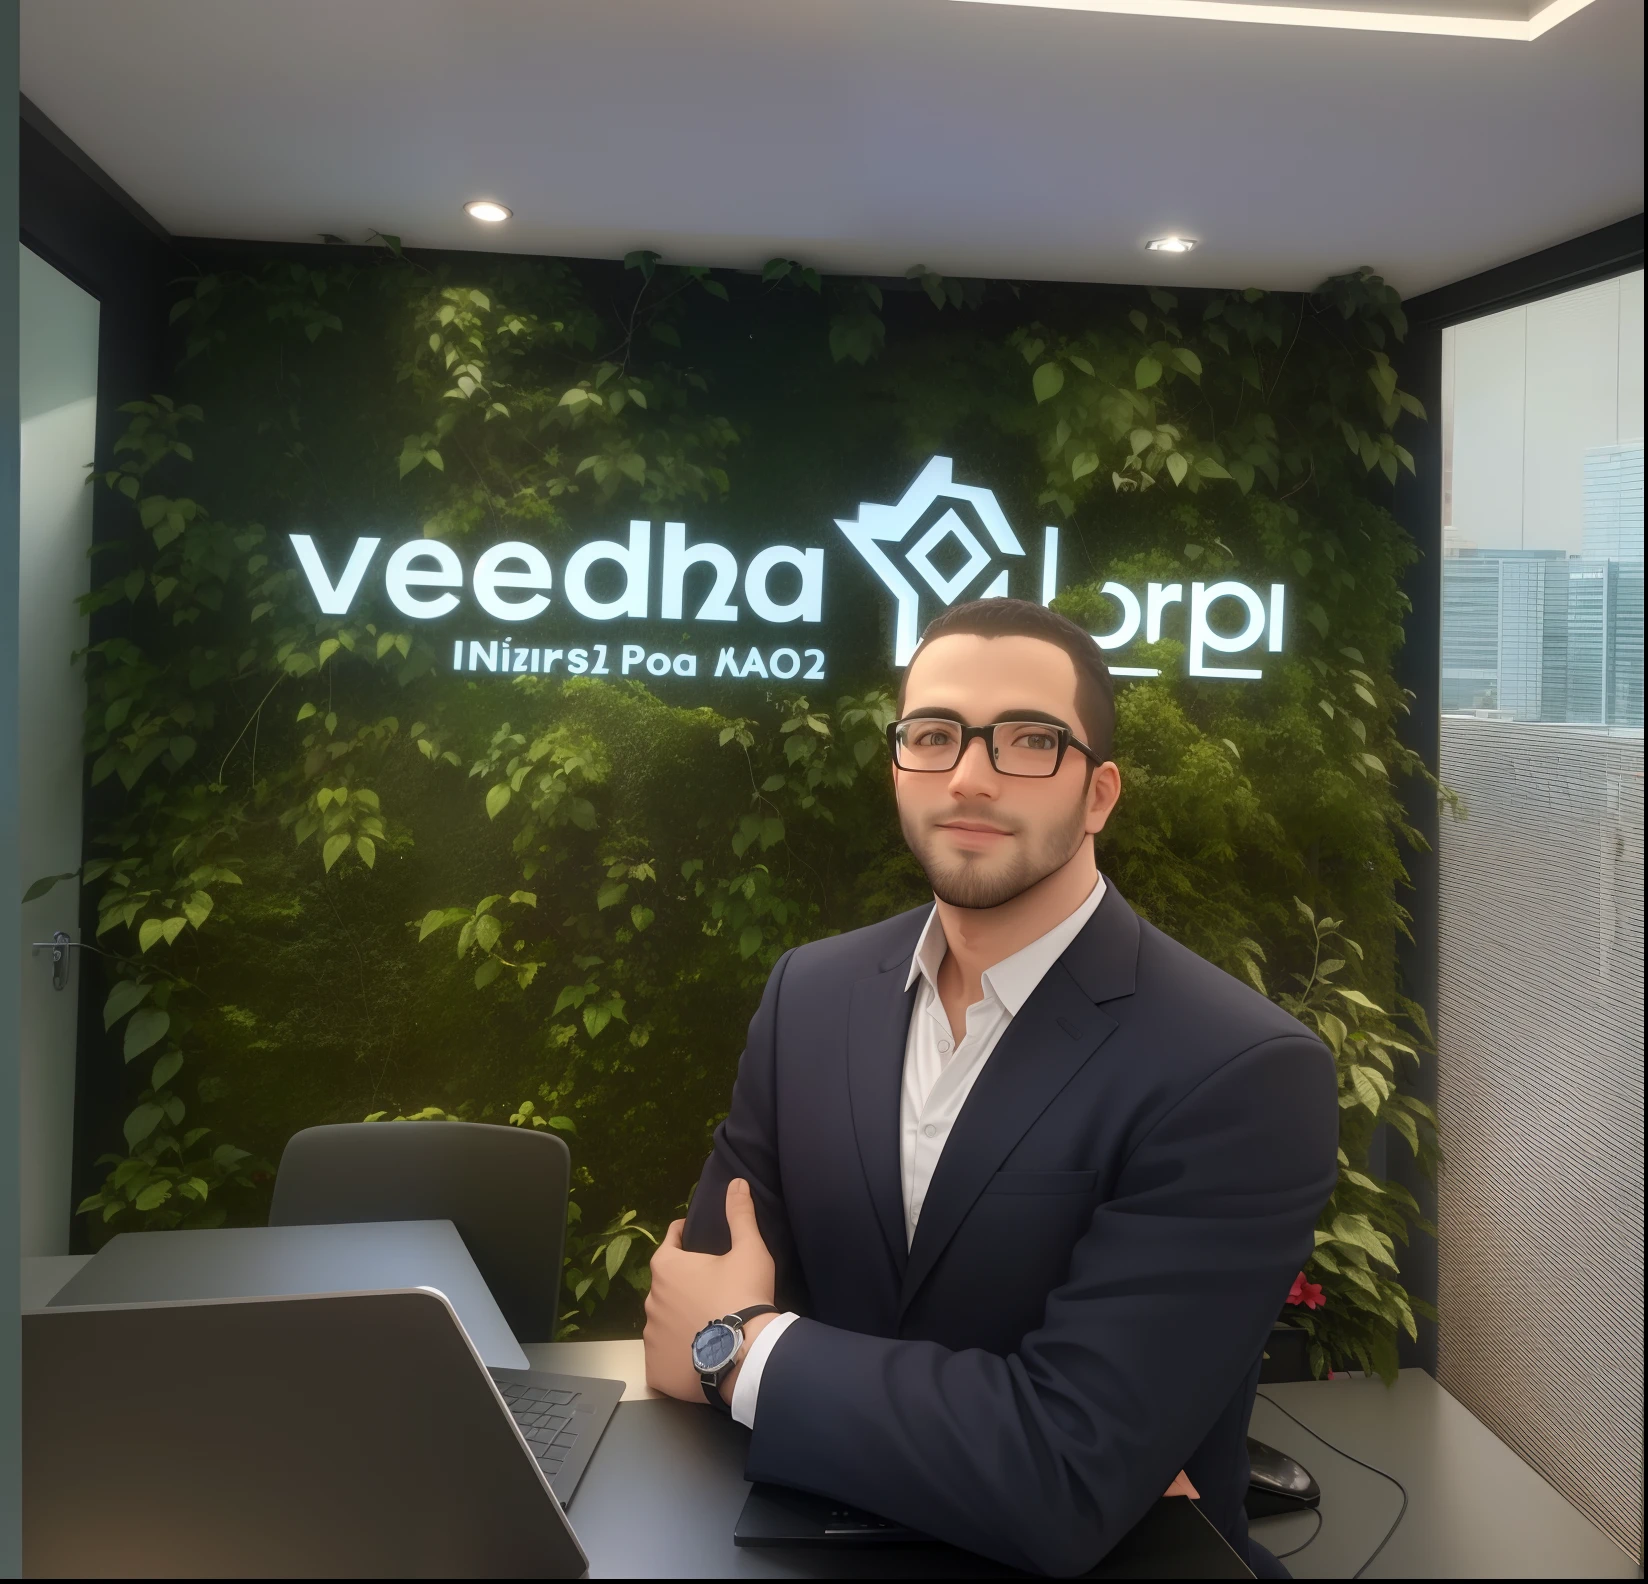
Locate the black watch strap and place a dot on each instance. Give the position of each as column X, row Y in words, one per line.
column 712, row 1383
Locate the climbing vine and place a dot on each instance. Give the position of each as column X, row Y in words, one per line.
column 334, row 878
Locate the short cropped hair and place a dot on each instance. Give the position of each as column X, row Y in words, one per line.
column 1017, row 618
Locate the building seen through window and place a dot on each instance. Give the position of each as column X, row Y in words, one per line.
column 1542, row 576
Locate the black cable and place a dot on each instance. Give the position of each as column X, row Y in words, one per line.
column 1279, row 1555
column 1402, row 1511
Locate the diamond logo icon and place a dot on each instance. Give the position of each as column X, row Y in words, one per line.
column 949, row 526
column 879, row 535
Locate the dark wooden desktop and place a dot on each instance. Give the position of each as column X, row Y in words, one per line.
column 661, row 1496
column 666, row 1485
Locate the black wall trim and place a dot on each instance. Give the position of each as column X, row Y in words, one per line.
column 1418, row 507
column 75, row 217
column 1614, row 250
column 33, row 116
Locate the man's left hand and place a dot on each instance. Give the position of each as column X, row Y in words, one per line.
column 690, row 1290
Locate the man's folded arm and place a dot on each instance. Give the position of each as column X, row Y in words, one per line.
column 746, row 1145
column 1046, row 1458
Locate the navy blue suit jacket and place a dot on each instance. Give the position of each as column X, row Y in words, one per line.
column 1113, row 1226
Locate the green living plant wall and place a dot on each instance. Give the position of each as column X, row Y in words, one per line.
column 335, row 879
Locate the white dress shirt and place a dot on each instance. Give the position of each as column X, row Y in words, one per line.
column 939, row 1074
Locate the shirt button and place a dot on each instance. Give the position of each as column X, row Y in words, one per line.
column 944, row 1047
column 929, row 1130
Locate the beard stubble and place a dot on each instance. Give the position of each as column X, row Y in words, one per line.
column 974, row 881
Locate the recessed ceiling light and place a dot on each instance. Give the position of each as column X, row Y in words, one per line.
column 1170, row 244
column 486, row 209
column 1522, row 21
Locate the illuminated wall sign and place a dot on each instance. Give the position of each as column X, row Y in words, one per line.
column 780, row 586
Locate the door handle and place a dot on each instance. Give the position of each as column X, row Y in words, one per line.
column 60, row 946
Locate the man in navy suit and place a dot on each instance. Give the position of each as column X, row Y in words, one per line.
column 1012, row 1187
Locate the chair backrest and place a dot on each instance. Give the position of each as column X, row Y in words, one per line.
column 504, row 1188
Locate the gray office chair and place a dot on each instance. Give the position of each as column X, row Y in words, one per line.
column 504, row 1188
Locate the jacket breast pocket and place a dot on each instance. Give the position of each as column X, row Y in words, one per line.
column 1046, row 1183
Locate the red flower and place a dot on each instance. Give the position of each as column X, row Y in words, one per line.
column 1304, row 1292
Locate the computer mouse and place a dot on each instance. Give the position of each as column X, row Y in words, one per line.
column 1276, row 1483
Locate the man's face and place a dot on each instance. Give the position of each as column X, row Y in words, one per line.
column 982, row 837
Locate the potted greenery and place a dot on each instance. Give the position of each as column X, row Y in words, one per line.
column 1347, row 1304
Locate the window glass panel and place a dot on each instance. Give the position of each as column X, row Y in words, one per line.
column 1540, row 974
column 1542, row 583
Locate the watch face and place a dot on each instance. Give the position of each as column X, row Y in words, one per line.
column 713, row 1346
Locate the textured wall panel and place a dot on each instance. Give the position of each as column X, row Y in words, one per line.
column 1541, row 1103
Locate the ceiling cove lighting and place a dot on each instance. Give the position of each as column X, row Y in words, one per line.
column 487, row 209
column 1170, row 244
column 1518, row 21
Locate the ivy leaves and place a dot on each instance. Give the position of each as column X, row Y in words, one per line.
column 150, row 737
column 151, row 437
column 948, row 291
column 788, row 270
column 528, row 397
column 344, row 818
column 1121, row 412
column 126, row 996
column 857, row 331
column 552, row 779
column 146, row 1028
column 481, row 930
column 145, row 1003
column 1365, row 1219
column 597, row 1007
column 595, row 1261
column 168, row 1178
column 644, row 865
column 821, row 754
column 857, row 328
column 157, row 898
column 551, row 773
column 416, row 451
column 1111, row 406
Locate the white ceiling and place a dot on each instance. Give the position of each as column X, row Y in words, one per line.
column 856, row 135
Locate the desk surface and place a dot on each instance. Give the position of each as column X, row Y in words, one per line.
column 691, row 1463
column 666, row 1484
column 1475, row 1510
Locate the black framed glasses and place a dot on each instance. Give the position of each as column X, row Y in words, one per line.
column 933, row 743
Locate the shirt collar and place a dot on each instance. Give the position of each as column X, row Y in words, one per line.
column 1012, row 980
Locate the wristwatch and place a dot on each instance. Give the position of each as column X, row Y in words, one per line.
column 718, row 1347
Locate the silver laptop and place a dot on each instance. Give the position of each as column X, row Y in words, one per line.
column 271, row 1262
column 337, row 1434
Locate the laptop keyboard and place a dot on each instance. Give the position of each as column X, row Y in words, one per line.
column 548, row 1420
column 561, row 1417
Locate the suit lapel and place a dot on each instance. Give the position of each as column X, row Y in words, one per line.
column 1055, row 1033
column 878, row 1023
